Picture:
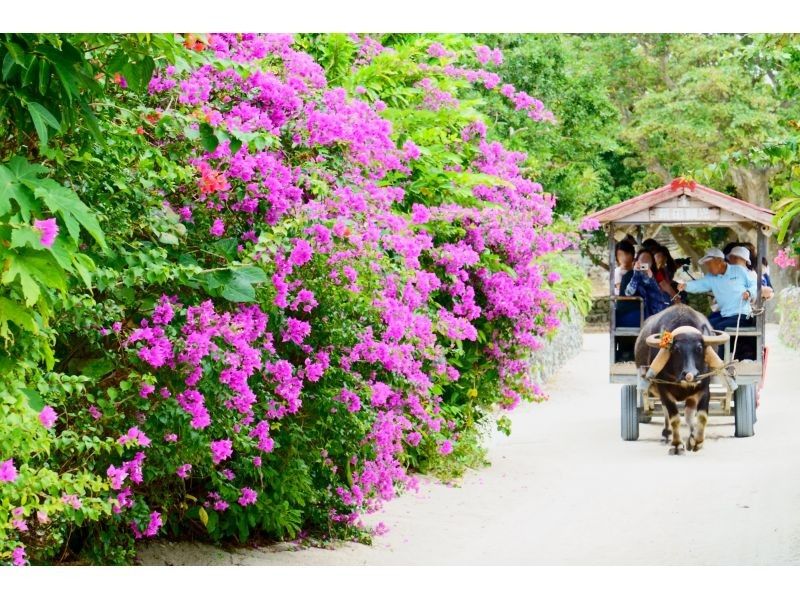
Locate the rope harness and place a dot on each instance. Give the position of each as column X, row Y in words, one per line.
column 725, row 369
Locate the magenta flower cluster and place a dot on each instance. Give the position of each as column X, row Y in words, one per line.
column 336, row 168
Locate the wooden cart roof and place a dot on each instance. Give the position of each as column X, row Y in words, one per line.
column 686, row 203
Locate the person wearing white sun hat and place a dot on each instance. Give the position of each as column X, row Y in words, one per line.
column 740, row 256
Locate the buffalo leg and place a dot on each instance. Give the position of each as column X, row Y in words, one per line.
column 689, row 411
column 674, row 420
column 699, row 434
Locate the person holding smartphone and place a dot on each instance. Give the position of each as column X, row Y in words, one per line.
column 641, row 281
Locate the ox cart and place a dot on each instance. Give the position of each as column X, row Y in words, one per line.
column 677, row 206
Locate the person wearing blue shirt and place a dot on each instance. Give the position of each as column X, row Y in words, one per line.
column 732, row 288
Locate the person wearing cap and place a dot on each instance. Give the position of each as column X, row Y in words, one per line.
column 732, row 288
column 739, row 255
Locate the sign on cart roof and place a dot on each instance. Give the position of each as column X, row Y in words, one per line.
column 685, row 202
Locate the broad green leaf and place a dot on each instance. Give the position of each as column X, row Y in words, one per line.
column 251, row 274
column 20, row 237
column 168, row 239
column 12, row 188
column 203, row 516
column 208, row 138
column 41, row 120
column 97, row 368
column 85, row 266
column 11, row 311
column 239, row 290
column 215, row 280
column 213, row 519
column 45, row 114
column 8, row 66
column 64, row 201
column 35, row 269
column 227, row 247
column 35, row 400
column 63, row 251
column 30, row 290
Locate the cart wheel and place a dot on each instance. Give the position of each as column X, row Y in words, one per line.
column 744, row 410
column 630, row 412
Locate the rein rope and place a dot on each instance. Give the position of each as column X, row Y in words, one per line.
column 720, row 370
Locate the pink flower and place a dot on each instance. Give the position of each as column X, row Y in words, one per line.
column 248, row 497
column 134, row 435
column 301, row 253
column 183, row 470
column 784, row 260
column 18, row 556
column 152, row 528
column 71, row 500
column 20, row 525
column 218, row 228
column 8, row 473
column 221, row 450
column 117, row 476
column 94, row 412
column 146, row 390
column 589, row 224
column 446, row 447
column 420, row 214
column 410, row 150
column 296, row 331
column 170, row 438
column 49, row 230
column 42, row 517
column 48, row 417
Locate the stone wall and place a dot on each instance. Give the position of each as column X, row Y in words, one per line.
column 789, row 311
column 567, row 342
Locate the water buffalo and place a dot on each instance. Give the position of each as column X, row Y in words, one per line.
column 675, row 365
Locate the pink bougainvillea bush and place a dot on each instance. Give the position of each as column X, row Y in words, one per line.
column 344, row 280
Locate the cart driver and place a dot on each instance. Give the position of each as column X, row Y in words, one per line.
column 732, row 288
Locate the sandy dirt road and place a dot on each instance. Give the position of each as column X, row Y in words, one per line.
column 564, row 489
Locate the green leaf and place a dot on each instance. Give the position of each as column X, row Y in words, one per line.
column 211, row 524
column 35, row 400
column 11, row 311
column 97, row 368
column 203, row 516
column 91, row 122
column 226, row 247
column 41, row 120
column 35, row 269
column 65, row 201
column 191, row 133
column 85, row 266
column 251, row 274
column 44, row 76
column 168, row 239
column 30, row 290
column 11, row 187
column 208, row 138
column 239, row 290
column 20, row 237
